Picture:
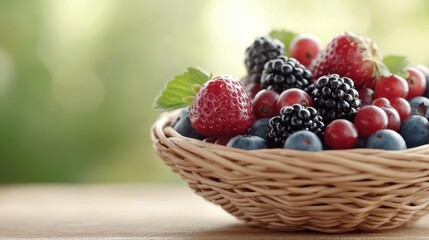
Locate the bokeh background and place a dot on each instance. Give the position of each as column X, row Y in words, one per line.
column 78, row 77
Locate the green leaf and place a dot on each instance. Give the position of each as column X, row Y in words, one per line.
column 396, row 65
column 285, row 37
column 180, row 90
column 381, row 69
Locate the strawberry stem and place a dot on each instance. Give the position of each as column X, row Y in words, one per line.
column 188, row 99
column 195, row 88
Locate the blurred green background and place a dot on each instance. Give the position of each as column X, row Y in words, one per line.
column 78, row 77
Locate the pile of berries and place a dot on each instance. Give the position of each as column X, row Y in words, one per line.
column 298, row 95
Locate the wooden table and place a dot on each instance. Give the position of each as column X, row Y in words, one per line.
column 139, row 212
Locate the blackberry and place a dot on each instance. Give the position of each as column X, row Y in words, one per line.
column 284, row 73
column 293, row 119
column 261, row 51
column 335, row 97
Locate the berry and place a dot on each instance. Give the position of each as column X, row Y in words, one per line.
column 260, row 128
column 304, row 48
column 341, row 134
column 335, row 97
column 420, row 106
column 305, row 141
column 210, row 140
column 426, row 93
column 393, row 119
column 247, row 142
column 415, row 131
column 423, row 69
column 222, row 108
column 402, row 106
column 361, row 143
column 350, row 55
column 292, row 119
column 370, row 119
column 265, row 104
column 252, row 89
column 381, row 102
column 325, row 146
column 366, row 95
column 391, row 87
column 386, row 139
column 294, row 96
column 284, row 73
column 223, row 140
column 183, row 126
column 260, row 52
column 416, row 83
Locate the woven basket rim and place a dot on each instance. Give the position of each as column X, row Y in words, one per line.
column 404, row 164
column 169, row 116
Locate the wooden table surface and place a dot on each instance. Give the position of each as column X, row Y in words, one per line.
column 139, row 212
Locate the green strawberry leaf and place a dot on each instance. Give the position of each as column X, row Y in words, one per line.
column 285, row 37
column 397, row 65
column 180, row 91
column 381, row 70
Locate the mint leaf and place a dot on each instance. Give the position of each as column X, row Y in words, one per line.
column 179, row 90
column 396, row 65
column 285, row 37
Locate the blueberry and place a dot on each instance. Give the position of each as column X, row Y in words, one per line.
column 420, row 106
column 415, row 131
column 183, row 126
column 386, row 139
column 247, row 142
column 260, row 128
column 304, row 140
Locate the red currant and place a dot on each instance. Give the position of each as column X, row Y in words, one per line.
column 341, row 134
column 393, row 119
column 370, row 119
column 366, row 96
column 402, row 106
column 294, row 96
column 223, row 140
column 210, row 140
column 265, row 104
column 381, row 102
column 390, row 87
column 304, row 48
column 416, row 83
column 424, row 69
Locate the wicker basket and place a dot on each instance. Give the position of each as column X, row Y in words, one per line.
column 330, row 191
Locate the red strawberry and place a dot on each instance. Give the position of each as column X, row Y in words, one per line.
column 222, row 108
column 353, row 56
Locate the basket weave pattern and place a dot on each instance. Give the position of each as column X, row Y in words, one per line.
column 329, row 191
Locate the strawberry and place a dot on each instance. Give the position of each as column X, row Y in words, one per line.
column 222, row 108
column 218, row 108
column 353, row 56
